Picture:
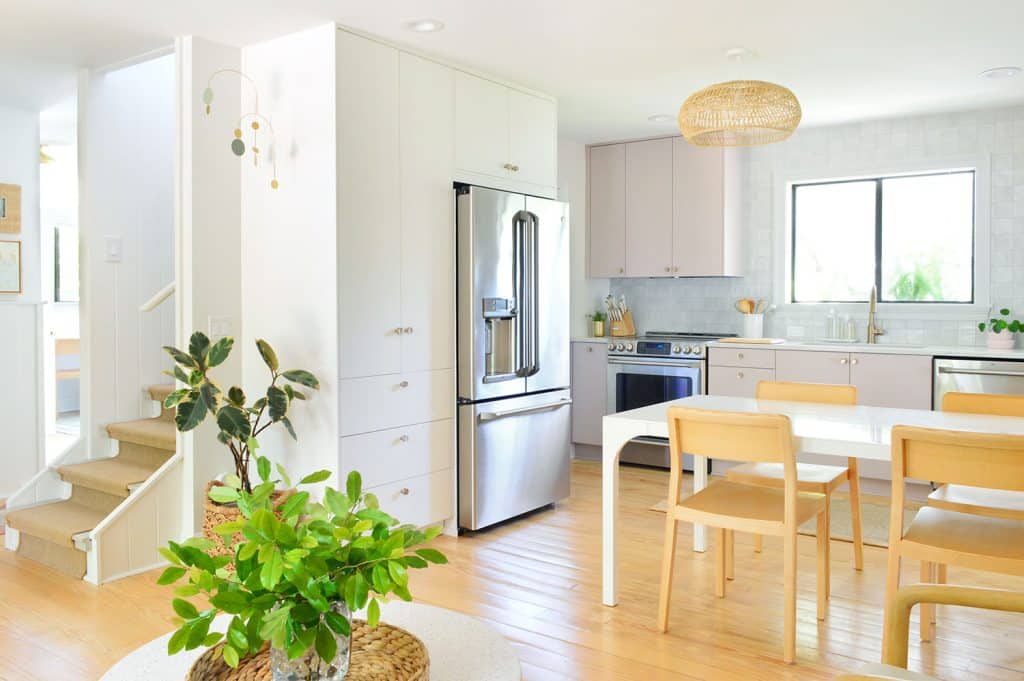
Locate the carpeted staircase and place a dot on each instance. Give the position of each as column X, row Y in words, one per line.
column 47, row 531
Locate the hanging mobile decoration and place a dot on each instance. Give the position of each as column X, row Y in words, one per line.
column 255, row 119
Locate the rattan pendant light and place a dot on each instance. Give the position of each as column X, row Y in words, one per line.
column 739, row 113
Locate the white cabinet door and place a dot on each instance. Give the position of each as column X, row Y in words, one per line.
column 422, row 500
column 427, row 243
column 381, row 402
column 589, row 391
column 649, row 208
column 369, row 218
column 533, row 138
column 606, row 211
column 482, row 120
column 899, row 381
column 385, row 456
column 736, row 381
column 707, row 206
column 808, row 366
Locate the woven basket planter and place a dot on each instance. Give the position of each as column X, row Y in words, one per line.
column 384, row 653
column 218, row 514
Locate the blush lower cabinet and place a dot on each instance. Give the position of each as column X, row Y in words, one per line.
column 589, row 390
column 808, row 366
column 899, row 381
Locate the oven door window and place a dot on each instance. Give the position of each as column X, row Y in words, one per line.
column 633, row 391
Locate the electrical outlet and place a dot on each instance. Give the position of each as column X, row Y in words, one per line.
column 113, row 249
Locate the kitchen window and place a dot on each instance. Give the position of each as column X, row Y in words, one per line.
column 911, row 235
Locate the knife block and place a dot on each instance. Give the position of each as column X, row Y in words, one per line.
column 624, row 326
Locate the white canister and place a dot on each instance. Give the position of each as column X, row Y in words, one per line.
column 753, row 326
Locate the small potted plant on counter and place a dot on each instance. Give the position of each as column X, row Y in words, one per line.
column 301, row 569
column 1002, row 330
column 597, row 319
column 239, row 425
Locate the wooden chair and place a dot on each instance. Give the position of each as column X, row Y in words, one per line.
column 820, row 479
column 941, row 536
column 894, row 660
column 730, row 506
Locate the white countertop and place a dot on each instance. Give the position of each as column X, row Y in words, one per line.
column 979, row 352
column 589, row 339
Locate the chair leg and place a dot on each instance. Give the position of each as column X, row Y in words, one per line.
column 892, row 585
column 730, row 555
column 668, row 558
column 720, row 562
column 828, row 541
column 927, row 612
column 823, row 565
column 855, row 517
column 942, row 574
column 789, row 597
column 758, row 543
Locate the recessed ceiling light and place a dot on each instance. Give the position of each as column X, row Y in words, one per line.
column 424, row 25
column 1001, row 72
column 661, row 118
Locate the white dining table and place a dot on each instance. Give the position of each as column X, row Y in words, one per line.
column 823, row 429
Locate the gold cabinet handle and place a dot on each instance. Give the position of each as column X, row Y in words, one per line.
column 404, row 491
column 739, row 374
column 843, row 360
column 853, row 361
column 621, row 270
column 403, row 384
column 407, row 330
column 739, row 355
column 404, row 438
column 397, row 331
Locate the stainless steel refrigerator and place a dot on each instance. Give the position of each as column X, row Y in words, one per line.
column 514, row 418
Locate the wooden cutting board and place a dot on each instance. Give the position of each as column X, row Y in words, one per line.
column 753, row 341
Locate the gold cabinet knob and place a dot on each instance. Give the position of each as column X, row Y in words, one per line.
column 407, row 330
column 403, row 384
column 404, row 491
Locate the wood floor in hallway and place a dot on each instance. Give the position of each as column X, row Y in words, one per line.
column 537, row 580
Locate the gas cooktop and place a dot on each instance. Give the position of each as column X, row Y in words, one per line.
column 668, row 344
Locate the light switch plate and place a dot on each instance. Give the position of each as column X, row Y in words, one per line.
column 113, row 249
column 220, row 327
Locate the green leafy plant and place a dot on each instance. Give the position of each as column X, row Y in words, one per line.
column 239, row 425
column 598, row 316
column 295, row 560
column 924, row 282
column 1002, row 323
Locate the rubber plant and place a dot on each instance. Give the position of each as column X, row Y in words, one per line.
column 295, row 561
column 239, row 425
column 1002, row 323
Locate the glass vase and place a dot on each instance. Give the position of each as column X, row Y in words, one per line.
column 309, row 666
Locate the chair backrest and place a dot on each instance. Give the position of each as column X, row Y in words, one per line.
column 735, row 436
column 824, row 393
column 980, row 403
column 990, row 460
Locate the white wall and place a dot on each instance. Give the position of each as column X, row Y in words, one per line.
column 586, row 294
column 127, row 152
column 209, row 267
column 20, row 315
column 289, row 235
column 705, row 304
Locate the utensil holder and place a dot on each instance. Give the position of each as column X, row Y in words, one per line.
column 624, row 327
column 753, row 325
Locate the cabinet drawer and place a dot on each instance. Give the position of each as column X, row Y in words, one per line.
column 381, row 402
column 811, row 366
column 742, row 357
column 389, row 455
column 421, row 500
column 737, row 381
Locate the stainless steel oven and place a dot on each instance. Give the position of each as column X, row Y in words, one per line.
column 639, row 380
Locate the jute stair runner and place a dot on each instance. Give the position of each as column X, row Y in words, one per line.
column 384, row 653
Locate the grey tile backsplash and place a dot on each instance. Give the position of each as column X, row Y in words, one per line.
column 706, row 304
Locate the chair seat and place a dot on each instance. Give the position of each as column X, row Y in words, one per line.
column 995, row 503
column 994, row 544
column 811, row 477
column 737, row 500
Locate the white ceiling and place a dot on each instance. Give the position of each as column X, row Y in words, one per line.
column 611, row 64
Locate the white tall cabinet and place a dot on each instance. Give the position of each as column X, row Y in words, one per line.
column 407, row 128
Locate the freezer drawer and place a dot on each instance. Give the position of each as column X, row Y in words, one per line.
column 513, row 456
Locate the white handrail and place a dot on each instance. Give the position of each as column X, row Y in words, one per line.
column 160, row 296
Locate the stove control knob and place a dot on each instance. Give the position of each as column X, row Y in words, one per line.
column 676, row 349
column 620, row 347
column 629, row 347
column 688, row 349
column 698, row 350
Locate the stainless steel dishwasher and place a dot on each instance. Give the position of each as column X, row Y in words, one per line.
column 964, row 375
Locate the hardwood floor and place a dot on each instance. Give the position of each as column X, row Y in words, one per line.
column 538, row 582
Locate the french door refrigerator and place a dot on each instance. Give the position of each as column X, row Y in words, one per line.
column 514, row 421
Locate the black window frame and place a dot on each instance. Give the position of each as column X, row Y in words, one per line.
column 878, row 180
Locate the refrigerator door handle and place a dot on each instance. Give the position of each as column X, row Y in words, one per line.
column 533, row 223
column 524, row 304
column 494, row 415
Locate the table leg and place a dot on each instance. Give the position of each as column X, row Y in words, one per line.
column 700, row 481
column 614, row 437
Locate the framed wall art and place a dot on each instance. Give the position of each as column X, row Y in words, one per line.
column 10, row 208
column 10, row 267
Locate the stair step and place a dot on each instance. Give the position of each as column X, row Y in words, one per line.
column 70, row 561
column 158, row 433
column 112, row 476
column 56, row 523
